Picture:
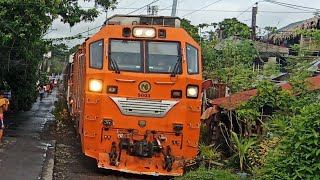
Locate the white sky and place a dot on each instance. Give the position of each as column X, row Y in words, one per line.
column 268, row 13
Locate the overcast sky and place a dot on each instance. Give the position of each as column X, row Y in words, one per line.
column 268, row 14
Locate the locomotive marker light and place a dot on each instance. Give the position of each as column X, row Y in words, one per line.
column 107, row 122
column 192, row 91
column 126, row 32
column 144, row 32
column 162, row 33
column 177, row 127
column 112, row 89
column 95, row 85
column 176, row 94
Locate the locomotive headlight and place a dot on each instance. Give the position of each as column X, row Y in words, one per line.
column 95, row 85
column 137, row 32
column 150, row 32
column 192, row 91
column 144, row 32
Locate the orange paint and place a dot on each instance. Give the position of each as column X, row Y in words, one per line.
column 140, row 109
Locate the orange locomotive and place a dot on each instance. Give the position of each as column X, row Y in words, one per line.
column 135, row 95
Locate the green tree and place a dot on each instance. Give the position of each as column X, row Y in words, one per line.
column 60, row 56
column 298, row 156
column 191, row 29
column 233, row 27
column 23, row 24
column 231, row 62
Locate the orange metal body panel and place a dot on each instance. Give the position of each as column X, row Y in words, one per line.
column 91, row 108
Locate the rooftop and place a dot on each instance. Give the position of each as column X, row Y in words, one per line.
column 127, row 20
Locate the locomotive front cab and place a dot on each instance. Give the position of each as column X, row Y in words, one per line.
column 142, row 96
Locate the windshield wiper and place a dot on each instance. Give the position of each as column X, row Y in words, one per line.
column 176, row 67
column 115, row 66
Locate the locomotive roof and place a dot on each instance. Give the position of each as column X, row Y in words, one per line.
column 126, row 20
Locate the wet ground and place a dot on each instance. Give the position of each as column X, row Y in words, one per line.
column 36, row 148
column 25, row 147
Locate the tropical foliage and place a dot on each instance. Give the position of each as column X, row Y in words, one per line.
column 275, row 134
column 23, row 23
column 204, row 174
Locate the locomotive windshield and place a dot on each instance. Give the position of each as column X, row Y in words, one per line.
column 161, row 57
column 126, row 55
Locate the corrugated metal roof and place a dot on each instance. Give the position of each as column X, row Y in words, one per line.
column 232, row 102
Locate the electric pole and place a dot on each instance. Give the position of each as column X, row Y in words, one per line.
column 254, row 21
column 174, row 8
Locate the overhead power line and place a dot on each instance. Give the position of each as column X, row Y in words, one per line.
column 167, row 8
column 132, row 3
column 201, row 8
column 249, row 8
column 142, row 7
column 226, row 11
column 87, row 31
column 245, row 10
column 293, row 5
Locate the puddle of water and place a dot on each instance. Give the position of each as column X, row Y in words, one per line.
column 12, row 135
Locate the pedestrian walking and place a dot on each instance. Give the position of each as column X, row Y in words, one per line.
column 48, row 89
column 4, row 103
column 41, row 91
column 51, row 86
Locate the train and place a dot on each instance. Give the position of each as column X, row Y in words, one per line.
column 134, row 92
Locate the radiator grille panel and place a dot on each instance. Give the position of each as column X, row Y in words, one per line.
column 144, row 107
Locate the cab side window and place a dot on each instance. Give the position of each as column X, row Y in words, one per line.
column 96, row 54
column 192, row 60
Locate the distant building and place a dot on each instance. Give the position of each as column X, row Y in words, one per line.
column 289, row 35
column 268, row 52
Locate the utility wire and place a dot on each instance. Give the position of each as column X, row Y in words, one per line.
column 202, row 8
column 304, row 7
column 288, row 6
column 142, row 7
column 226, row 11
column 132, row 3
column 249, row 8
column 166, row 8
column 245, row 11
column 78, row 34
column 143, row 10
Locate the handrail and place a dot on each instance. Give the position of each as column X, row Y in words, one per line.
column 197, row 126
column 91, row 119
column 189, row 144
column 86, row 134
column 196, row 109
column 92, row 102
column 164, row 83
column 126, row 80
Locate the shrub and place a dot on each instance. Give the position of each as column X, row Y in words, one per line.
column 257, row 155
column 61, row 112
column 210, row 155
column 298, row 155
column 241, row 147
column 213, row 174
